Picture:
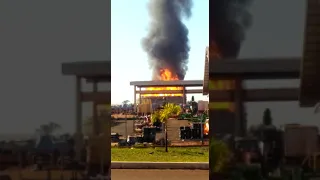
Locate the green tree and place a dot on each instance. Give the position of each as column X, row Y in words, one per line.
column 125, row 103
column 155, row 116
column 163, row 115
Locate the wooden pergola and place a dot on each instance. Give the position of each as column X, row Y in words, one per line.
column 239, row 70
column 93, row 72
column 184, row 84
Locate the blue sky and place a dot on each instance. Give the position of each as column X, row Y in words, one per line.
column 130, row 63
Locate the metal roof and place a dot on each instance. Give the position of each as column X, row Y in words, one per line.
column 167, row 83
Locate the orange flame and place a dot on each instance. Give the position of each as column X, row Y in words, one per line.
column 164, row 75
column 206, row 128
column 167, row 75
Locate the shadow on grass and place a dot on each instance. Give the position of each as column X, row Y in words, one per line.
column 184, row 151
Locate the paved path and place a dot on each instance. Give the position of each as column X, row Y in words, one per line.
column 136, row 174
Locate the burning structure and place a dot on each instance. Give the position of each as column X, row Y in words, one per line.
column 165, row 75
column 174, row 91
column 167, row 46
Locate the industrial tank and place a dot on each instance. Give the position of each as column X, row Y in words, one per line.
column 203, row 105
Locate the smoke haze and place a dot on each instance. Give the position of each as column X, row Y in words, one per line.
column 167, row 43
column 229, row 19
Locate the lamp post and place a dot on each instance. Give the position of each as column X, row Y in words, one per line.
column 201, row 129
column 125, row 118
column 165, row 127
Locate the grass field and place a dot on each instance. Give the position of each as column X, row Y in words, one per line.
column 158, row 154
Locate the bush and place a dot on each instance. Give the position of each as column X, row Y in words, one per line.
column 219, row 155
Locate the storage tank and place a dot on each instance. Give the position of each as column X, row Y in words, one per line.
column 300, row 140
column 145, row 106
column 203, row 105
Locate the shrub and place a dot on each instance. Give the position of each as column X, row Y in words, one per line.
column 219, row 155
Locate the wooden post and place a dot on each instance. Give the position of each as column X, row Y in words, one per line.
column 239, row 129
column 95, row 120
column 78, row 120
column 135, row 98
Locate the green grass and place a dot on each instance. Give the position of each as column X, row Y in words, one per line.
column 158, row 154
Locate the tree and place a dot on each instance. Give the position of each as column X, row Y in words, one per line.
column 267, row 118
column 125, row 103
column 48, row 129
column 168, row 111
column 155, row 116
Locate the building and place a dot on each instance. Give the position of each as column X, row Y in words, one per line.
column 174, row 91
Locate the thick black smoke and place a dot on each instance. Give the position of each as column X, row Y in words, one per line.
column 167, row 42
column 229, row 19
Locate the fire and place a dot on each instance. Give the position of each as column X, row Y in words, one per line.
column 214, row 53
column 206, row 127
column 164, row 75
column 167, row 75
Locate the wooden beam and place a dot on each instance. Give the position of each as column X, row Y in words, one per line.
column 190, row 91
column 105, row 79
column 87, row 68
column 98, row 97
column 174, row 83
column 256, row 95
column 258, row 68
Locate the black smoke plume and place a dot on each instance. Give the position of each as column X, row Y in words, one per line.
column 167, row 42
column 229, row 19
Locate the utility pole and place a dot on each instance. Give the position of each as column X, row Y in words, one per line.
column 165, row 127
column 126, row 123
